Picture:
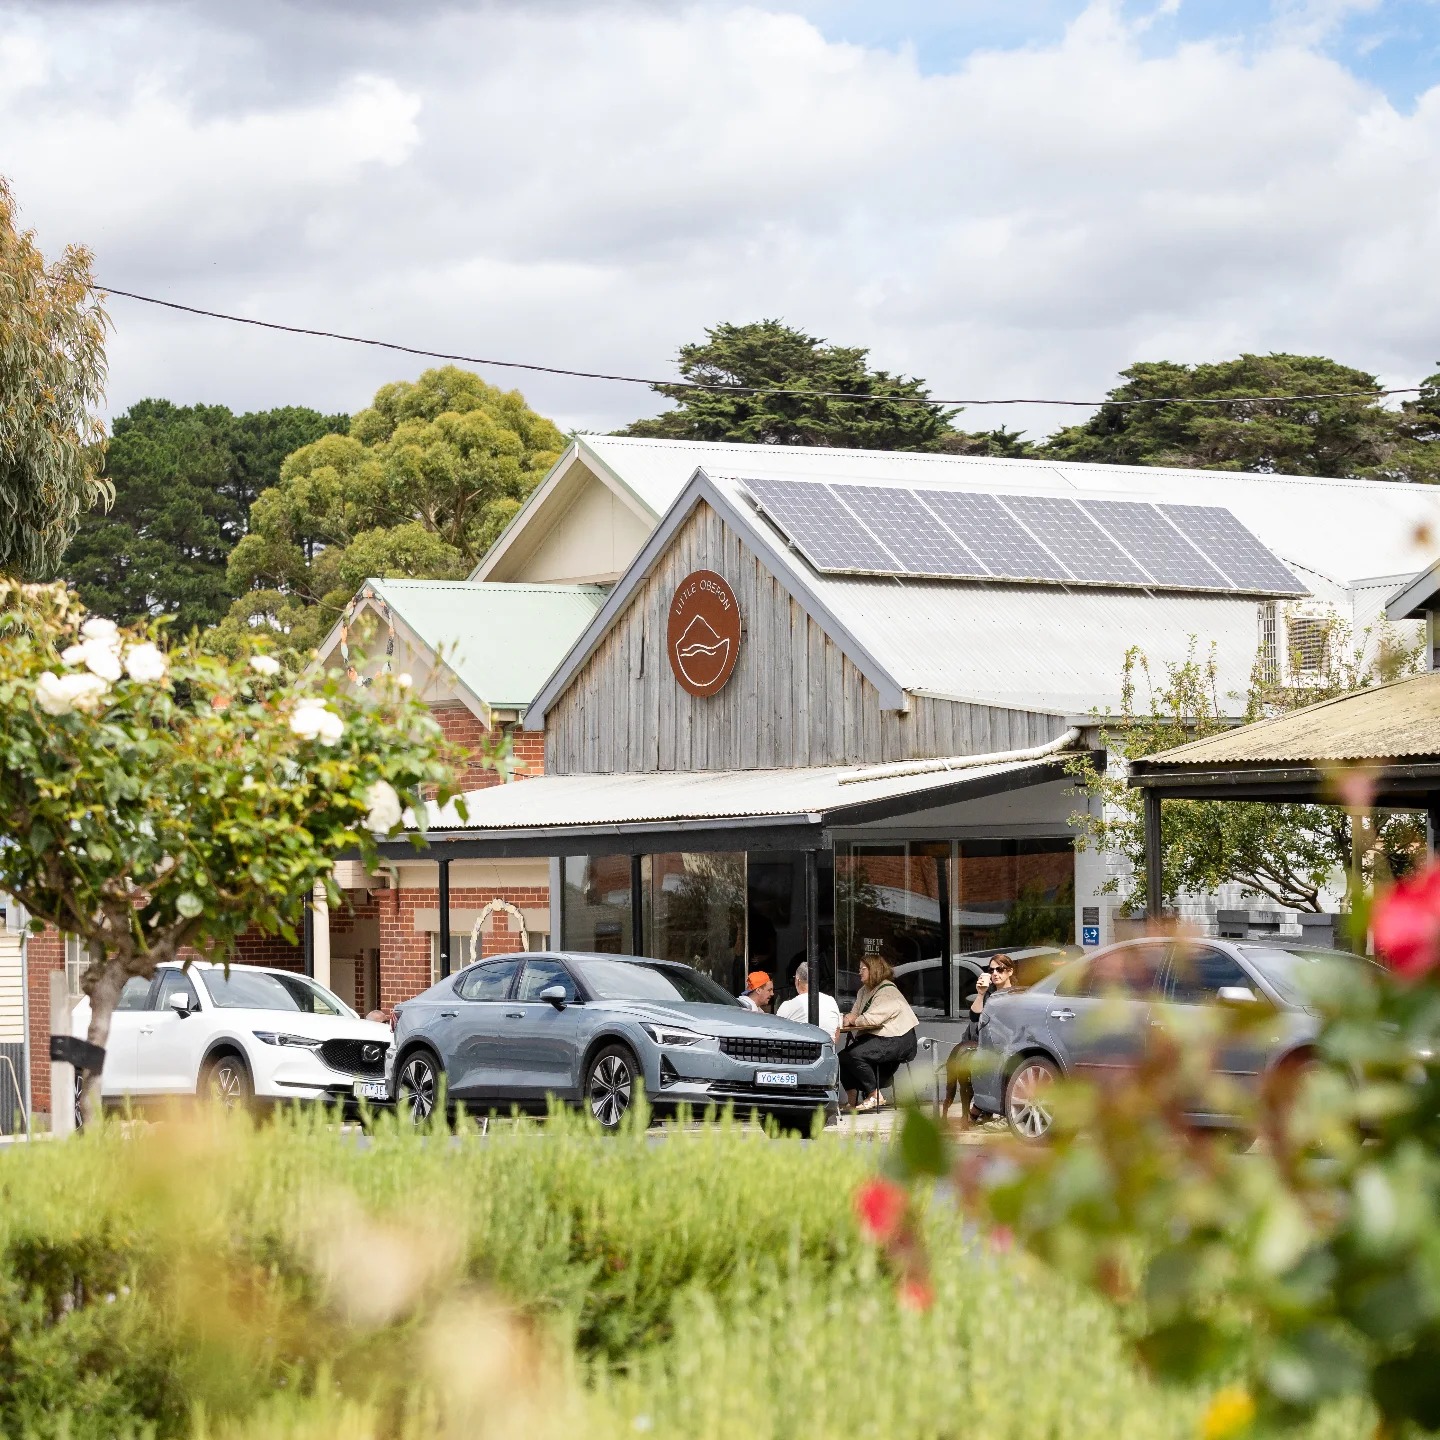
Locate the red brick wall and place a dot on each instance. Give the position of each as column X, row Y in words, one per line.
column 462, row 728
column 405, row 951
column 45, row 954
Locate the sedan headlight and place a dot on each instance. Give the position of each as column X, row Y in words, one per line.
column 275, row 1037
column 670, row 1034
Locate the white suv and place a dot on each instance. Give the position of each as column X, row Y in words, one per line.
column 254, row 1034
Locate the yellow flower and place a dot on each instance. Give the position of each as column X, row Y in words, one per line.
column 1231, row 1413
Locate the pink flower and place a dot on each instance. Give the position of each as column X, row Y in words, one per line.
column 916, row 1294
column 880, row 1207
column 1406, row 924
column 1002, row 1239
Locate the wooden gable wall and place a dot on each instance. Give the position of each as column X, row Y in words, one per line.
column 794, row 698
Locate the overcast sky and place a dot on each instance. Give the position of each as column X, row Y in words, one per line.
column 1002, row 196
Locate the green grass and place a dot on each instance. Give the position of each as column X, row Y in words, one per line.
column 237, row 1283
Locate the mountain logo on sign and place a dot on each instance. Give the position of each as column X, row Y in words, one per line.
column 701, row 654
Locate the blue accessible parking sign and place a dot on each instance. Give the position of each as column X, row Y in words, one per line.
column 1089, row 934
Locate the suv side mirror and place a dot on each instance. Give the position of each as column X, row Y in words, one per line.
column 180, row 1003
column 1236, row 995
column 556, row 995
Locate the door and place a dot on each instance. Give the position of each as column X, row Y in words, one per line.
column 540, row 1046
column 470, row 1031
column 1197, row 974
column 170, row 1044
column 1099, row 1019
column 120, row 1075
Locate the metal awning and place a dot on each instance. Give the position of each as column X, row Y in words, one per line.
column 791, row 809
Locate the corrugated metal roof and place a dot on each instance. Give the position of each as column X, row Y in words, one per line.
column 1388, row 722
column 1346, row 529
column 568, row 801
column 478, row 628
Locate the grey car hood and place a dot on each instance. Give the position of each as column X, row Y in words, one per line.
column 718, row 1020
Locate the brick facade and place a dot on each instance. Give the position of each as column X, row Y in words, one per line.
column 45, row 956
column 463, row 728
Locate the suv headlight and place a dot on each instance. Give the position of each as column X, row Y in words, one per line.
column 275, row 1037
column 670, row 1034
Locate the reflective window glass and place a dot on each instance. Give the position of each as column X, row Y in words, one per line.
column 488, row 982
column 693, row 908
column 174, row 982
column 134, row 995
column 595, row 904
column 1198, row 972
column 1130, row 970
column 541, row 975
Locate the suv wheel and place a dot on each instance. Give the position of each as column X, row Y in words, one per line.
column 610, row 1085
column 1027, row 1107
column 418, row 1086
column 226, row 1082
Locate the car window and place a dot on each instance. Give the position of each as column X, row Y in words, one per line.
column 134, row 995
column 244, row 989
column 490, row 981
column 541, row 975
column 173, row 982
column 1129, row 970
column 312, row 997
column 647, row 980
column 1199, row 972
column 1295, row 972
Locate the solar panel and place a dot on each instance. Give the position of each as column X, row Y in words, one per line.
column 909, row 531
column 1247, row 563
column 988, row 529
column 1084, row 549
column 823, row 530
column 1156, row 544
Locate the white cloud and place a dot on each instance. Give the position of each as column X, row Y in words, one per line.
column 592, row 185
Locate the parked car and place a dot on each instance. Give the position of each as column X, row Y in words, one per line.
column 252, row 1035
column 516, row 1029
column 1093, row 1015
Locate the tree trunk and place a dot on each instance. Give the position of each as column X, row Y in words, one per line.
column 104, row 987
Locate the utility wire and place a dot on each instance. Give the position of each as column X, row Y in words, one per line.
column 739, row 389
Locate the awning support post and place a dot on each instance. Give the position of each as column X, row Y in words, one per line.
column 637, row 907
column 812, row 936
column 443, row 866
column 1154, row 856
column 1432, row 827
column 307, row 937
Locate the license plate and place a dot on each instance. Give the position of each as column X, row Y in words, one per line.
column 777, row 1077
column 371, row 1090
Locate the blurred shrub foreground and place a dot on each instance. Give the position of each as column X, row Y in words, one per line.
column 220, row 1280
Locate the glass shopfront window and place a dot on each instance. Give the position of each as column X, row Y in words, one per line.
column 595, row 911
column 1014, row 894
column 693, row 911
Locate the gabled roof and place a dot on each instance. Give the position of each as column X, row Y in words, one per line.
column 499, row 641
column 1308, row 521
column 1415, row 596
column 1044, row 649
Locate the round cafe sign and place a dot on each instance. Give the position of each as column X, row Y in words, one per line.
column 703, row 636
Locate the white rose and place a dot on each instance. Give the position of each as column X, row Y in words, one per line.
column 60, row 694
column 312, row 721
column 86, row 691
column 73, row 655
column 385, row 811
column 97, row 627
column 265, row 665
column 102, row 658
column 403, row 680
column 145, row 662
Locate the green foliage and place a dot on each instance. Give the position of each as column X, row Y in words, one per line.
column 420, row 487
column 236, row 1283
column 1356, row 436
column 768, row 353
column 52, row 378
column 152, row 801
column 1289, row 853
column 184, row 479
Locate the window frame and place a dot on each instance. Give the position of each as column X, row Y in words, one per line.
column 158, row 1001
column 1172, row 998
column 1158, row 989
column 470, row 972
column 577, row 996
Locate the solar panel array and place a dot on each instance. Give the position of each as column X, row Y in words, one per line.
column 853, row 529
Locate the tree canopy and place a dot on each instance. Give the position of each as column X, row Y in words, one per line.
column 184, row 479
column 425, row 480
column 770, row 354
column 52, row 378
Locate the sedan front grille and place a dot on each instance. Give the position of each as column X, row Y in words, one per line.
column 357, row 1057
column 762, row 1050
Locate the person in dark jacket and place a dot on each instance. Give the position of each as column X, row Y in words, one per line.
column 998, row 978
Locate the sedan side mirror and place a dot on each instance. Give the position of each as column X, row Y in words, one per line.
column 556, row 995
column 180, row 1003
column 1236, row 995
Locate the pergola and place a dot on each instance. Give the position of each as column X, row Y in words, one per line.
column 1390, row 733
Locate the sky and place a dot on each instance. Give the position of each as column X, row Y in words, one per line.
column 1004, row 197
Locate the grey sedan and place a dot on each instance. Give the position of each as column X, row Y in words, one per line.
column 512, row 1031
column 1091, row 1018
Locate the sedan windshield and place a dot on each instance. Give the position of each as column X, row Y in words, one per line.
column 641, row 980
column 1293, row 972
column 247, row 990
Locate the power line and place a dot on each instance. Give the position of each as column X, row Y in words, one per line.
column 738, row 389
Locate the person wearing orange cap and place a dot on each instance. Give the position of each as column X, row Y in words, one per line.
column 759, row 991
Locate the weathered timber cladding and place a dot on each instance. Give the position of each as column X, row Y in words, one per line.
column 794, row 699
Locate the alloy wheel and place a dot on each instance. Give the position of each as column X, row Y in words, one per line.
column 227, row 1084
column 610, row 1086
column 1025, row 1102
column 417, row 1088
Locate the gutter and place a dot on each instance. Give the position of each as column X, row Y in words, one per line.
column 962, row 762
